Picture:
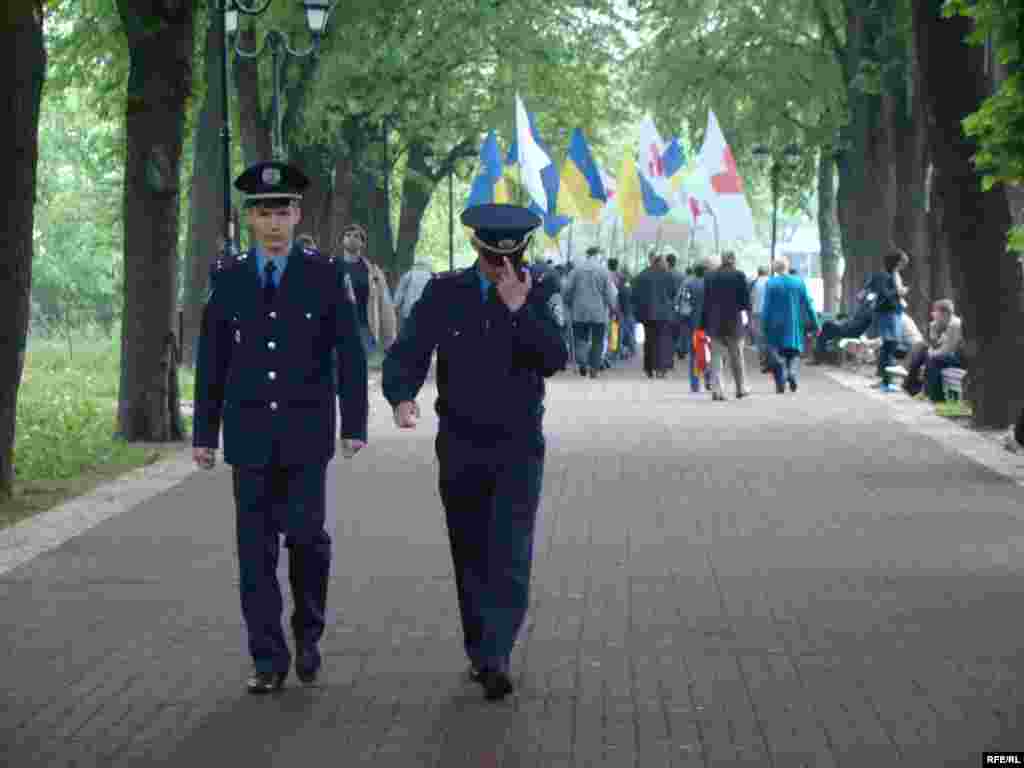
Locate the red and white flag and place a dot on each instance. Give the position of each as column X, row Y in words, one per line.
column 725, row 197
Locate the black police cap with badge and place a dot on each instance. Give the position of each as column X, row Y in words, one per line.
column 271, row 183
column 501, row 230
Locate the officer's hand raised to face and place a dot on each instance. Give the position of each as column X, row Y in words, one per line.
column 407, row 413
column 511, row 289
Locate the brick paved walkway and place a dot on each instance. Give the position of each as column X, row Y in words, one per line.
column 782, row 581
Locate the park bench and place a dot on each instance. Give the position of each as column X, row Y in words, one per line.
column 953, row 383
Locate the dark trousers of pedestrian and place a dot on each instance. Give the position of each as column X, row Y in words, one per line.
column 657, row 347
column 490, row 495
column 918, row 357
column 785, row 366
column 887, row 358
column 271, row 501
column 567, row 340
column 589, row 344
column 627, row 337
column 933, row 369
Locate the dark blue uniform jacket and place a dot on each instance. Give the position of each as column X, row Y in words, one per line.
column 491, row 363
column 266, row 371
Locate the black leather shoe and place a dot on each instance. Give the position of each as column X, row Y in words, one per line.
column 497, row 685
column 792, row 385
column 475, row 675
column 265, row 682
column 307, row 665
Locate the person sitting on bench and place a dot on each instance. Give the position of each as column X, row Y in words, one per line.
column 948, row 329
column 913, row 383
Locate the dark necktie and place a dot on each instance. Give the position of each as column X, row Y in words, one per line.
column 268, row 282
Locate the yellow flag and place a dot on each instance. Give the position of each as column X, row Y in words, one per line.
column 628, row 195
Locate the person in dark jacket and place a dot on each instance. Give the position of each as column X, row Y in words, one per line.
column 889, row 313
column 726, row 296
column 268, row 331
column 654, row 299
column 676, row 323
column 497, row 340
column 693, row 306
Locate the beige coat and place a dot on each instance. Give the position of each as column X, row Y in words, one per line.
column 380, row 310
column 950, row 340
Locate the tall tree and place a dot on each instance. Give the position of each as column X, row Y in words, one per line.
column 160, row 43
column 954, row 82
column 23, row 57
column 206, row 203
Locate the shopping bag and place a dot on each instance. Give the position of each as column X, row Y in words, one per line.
column 701, row 351
column 613, row 336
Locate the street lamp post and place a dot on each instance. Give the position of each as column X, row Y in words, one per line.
column 790, row 156
column 317, row 13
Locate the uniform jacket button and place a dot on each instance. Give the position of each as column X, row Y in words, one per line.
column 273, row 405
column 271, row 345
column 271, row 375
column 273, row 315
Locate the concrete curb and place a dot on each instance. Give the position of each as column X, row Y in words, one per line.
column 920, row 417
column 48, row 530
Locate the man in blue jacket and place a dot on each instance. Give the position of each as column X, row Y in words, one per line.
column 494, row 328
column 269, row 328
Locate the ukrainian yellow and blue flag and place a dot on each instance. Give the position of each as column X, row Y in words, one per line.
column 489, row 184
column 584, row 193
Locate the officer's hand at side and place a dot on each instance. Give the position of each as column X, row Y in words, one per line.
column 511, row 289
column 350, row 448
column 205, row 458
column 407, row 413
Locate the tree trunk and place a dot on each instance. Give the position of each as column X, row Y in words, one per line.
column 346, row 159
column 206, row 205
column 376, row 210
column 863, row 219
column 864, row 160
column 315, row 162
column 417, row 189
column 21, row 40
column 253, row 124
column 907, row 131
column 826, row 233
column 974, row 223
column 160, row 43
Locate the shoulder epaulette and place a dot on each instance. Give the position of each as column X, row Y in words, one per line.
column 448, row 274
column 225, row 262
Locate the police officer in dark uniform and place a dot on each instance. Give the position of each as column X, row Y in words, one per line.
column 496, row 340
column 273, row 318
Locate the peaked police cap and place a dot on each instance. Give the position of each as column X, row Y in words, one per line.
column 501, row 228
column 271, row 182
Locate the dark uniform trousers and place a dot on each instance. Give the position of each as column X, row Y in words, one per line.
column 269, row 501
column 490, row 494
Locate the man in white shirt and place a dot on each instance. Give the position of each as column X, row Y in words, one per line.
column 757, row 305
column 410, row 288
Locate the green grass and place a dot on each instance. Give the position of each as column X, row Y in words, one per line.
column 64, row 443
